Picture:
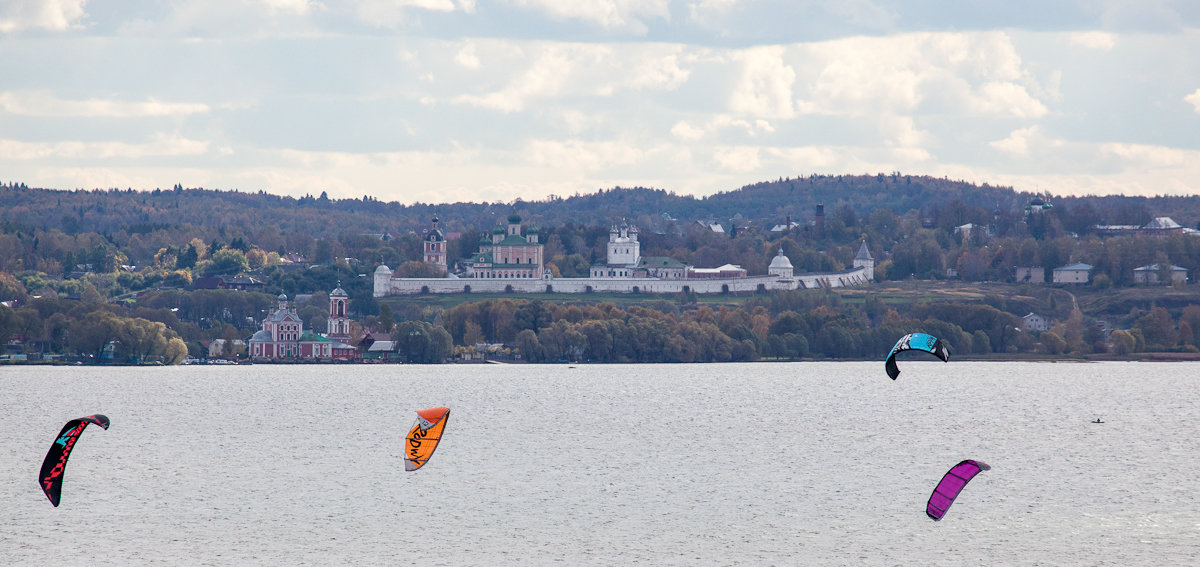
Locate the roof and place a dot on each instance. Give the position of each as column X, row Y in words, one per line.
column 282, row 315
column 338, row 291
column 661, row 262
column 1075, row 267
column 383, row 269
column 382, row 346
column 781, row 261
column 725, row 268
column 514, row 240
column 261, row 337
column 311, row 337
column 1156, row 267
column 863, row 252
column 1162, row 223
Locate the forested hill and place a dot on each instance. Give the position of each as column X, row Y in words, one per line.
column 232, row 212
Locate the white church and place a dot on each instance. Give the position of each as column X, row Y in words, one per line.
column 512, row 261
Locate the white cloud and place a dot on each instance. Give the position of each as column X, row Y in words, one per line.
column 935, row 73
column 1103, row 41
column 1194, row 100
column 1145, row 156
column 467, row 57
column 765, row 86
column 688, row 132
column 162, row 145
column 546, row 70
column 37, row 103
column 391, row 13
column 53, row 15
column 737, row 159
column 576, row 155
column 298, row 7
column 1017, row 142
column 620, row 15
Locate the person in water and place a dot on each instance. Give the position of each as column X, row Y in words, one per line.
column 1097, row 420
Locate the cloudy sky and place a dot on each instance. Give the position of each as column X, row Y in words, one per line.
column 477, row 100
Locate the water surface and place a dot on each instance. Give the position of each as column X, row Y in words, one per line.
column 717, row 464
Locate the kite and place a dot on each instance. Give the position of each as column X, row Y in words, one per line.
column 952, row 483
column 51, row 477
column 423, row 438
column 915, row 341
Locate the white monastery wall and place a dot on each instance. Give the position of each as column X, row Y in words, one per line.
column 385, row 284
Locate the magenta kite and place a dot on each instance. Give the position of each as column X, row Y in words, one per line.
column 952, row 483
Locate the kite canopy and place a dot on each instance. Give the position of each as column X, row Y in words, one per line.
column 424, row 436
column 952, row 483
column 915, row 341
column 51, row 476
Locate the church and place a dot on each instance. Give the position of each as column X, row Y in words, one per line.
column 283, row 335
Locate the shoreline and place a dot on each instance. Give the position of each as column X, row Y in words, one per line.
column 1140, row 357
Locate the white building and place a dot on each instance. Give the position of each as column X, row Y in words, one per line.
column 1154, row 273
column 1077, row 273
column 1034, row 323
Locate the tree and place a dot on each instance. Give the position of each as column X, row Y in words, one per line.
column 227, row 261
column 529, row 347
column 1157, row 328
column 1053, row 343
column 1123, row 343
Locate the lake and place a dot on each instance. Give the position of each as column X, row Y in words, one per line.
column 714, row 464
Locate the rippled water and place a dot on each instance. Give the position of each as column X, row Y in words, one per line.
column 719, row 464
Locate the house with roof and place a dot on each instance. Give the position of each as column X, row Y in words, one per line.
column 728, row 271
column 1077, row 273
column 1159, row 274
column 1160, row 227
column 1034, row 323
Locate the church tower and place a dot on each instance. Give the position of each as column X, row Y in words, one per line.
column 339, row 319
column 435, row 246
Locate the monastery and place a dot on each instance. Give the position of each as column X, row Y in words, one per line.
column 512, row 261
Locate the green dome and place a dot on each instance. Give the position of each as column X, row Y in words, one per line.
column 514, row 218
column 498, row 230
column 531, row 230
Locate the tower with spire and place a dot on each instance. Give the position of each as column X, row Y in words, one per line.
column 863, row 259
column 435, row 246
column 339, row 320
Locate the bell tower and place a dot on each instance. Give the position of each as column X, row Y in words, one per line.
column 339, row 319
column 435, row 246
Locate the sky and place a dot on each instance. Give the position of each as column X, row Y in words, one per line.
column 438, row 101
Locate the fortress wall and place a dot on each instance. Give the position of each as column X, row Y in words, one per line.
column 386, row 285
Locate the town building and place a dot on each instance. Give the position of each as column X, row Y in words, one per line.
column 1077, row 273
column 1158, row 274
column 1159, row 227
column 1034, row 323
